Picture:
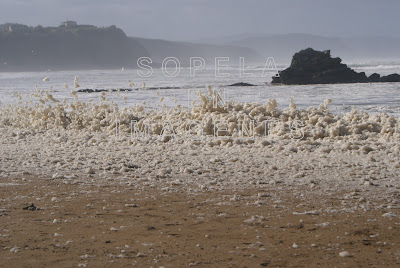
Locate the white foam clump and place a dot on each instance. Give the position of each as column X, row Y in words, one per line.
column 76, row 85
column 317, row 123
column 292, row 106
column 344, row 254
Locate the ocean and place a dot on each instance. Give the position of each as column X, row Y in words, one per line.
column 372, row 97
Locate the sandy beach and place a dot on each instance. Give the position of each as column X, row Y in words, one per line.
column 81, row 224
column 328, row 197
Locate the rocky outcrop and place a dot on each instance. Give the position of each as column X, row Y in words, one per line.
column 90, row 90
column 390, row 78
column 374, row 77
column 241, row 84
column 318, row 67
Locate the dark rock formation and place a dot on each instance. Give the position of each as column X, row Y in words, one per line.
column 316, row 67
column 89, row 90
column 96, row 90
column 241, row 84
column 390, row 78
column 374, row 77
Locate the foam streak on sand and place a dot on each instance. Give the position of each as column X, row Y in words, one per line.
column 58, row 139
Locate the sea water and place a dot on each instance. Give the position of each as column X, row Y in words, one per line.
column 370, row 97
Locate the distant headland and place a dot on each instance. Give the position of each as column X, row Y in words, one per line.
column 71, row 46
column 68, row 46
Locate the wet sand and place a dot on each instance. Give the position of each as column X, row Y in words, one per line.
column 84, row 225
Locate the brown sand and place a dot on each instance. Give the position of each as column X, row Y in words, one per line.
column 324, row 194
column 155, row 228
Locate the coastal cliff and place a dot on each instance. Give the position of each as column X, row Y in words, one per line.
column 69, row 46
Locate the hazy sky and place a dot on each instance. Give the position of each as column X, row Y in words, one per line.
column 197, row 19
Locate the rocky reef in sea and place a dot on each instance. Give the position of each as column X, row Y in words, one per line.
column 309, row 66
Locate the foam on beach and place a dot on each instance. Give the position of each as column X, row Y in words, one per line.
column 76, row 141
column 43, row 112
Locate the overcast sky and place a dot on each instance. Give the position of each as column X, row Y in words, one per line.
column 197, row 19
